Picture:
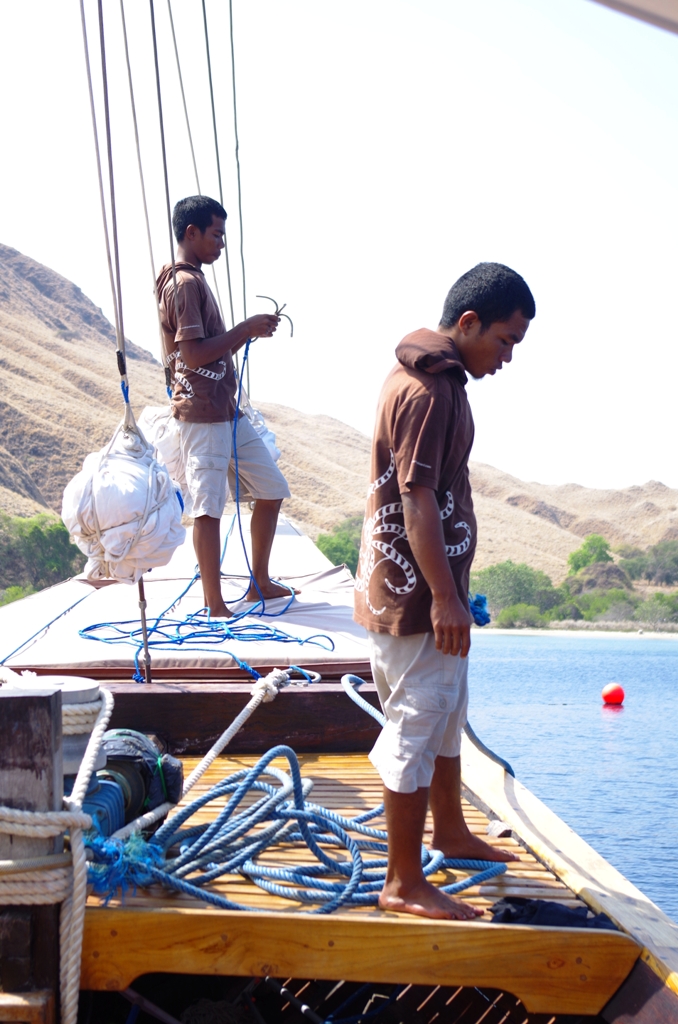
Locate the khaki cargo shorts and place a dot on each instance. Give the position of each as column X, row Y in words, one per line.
column 206, row 457
column 424, row 696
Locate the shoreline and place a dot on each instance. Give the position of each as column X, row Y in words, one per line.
column 593, row 634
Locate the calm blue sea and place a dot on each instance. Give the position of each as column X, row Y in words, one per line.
column 612, row 774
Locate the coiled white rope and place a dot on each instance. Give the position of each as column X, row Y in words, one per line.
column 33, row 882
column 77, row 719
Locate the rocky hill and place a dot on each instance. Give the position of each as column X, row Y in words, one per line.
column 61, row 399
column 61, row 394
column 540, row 524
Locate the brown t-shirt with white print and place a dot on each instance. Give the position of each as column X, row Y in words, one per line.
column 206, row 394
column 423, row 436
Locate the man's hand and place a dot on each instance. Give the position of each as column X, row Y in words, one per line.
column 201, row 351
column 451, row 624
column 262, row 325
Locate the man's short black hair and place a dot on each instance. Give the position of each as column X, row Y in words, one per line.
column 197, row 210
column 491, row 290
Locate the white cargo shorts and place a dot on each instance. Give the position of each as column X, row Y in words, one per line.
column 424, row 696
column 206, row 450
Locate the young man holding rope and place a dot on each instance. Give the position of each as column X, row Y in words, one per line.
column 411, row 589
column 199, row 351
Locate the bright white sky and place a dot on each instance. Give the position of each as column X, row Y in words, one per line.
column 387, row 146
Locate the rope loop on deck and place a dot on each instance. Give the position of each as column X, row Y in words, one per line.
column 187, row 857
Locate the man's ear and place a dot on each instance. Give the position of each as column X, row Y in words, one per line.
column 468, row 321
column 192, row 232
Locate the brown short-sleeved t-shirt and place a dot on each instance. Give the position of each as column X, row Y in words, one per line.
column 423, row 436
column 206, row 394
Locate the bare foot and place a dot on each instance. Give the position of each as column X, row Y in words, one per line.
column 269, row 591
column 426, row 901
column 470, row 847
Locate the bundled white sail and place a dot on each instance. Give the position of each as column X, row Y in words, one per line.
column 123, row 510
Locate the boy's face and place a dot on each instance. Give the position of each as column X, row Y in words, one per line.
column 207, row 244
column 485, row 351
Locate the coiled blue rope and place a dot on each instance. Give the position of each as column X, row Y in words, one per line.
column 187, row 857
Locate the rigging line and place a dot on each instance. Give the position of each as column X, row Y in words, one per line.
column 164, row 160
column 111, row 181
column 183, row 96
column 237, row 164
column 141, row 169
column 190, row 136
column 102, row 196
column 218, row 159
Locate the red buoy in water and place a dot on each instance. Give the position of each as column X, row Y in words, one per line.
column 613, row 693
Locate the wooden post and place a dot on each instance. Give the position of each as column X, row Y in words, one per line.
column 31, row 779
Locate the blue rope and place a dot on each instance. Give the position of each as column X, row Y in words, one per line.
column 350, row 683
column 261, row 603
column 133, row 1014
column 479, row 610
column 187, row 859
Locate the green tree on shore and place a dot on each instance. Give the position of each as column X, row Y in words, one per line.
column 594, row 549
column 342, row 545
column 34, row 553
column 507, row 584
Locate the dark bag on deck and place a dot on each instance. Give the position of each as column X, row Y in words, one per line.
column 518, row 910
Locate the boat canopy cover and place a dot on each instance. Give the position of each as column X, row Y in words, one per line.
column 323, row 610
column 662, row 13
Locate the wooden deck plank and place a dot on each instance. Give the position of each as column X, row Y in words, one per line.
column 526, row 877
column 569, row 970
column 565, row 970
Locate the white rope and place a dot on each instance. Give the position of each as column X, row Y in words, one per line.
column 26, row 864
column 263, row 691
column 36, row 888
column 31, row 882
column 40, row 824
column 77, row 719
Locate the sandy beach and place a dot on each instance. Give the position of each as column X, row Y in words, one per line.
column 593, row 634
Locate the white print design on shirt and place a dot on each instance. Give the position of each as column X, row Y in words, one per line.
column 378, row 525
column 179, row 365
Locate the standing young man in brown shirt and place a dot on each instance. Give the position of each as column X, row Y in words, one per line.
column 199, row 351
column 411, row 590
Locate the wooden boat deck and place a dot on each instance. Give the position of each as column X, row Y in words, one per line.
column 349, row 785
column 550, row 969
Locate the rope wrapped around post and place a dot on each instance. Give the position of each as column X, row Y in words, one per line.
column 60, row 878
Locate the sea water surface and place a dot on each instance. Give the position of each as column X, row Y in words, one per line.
column 611, row 774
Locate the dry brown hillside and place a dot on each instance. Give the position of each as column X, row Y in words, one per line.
column 540, row 524
column 61, row 393
column 61, row 400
